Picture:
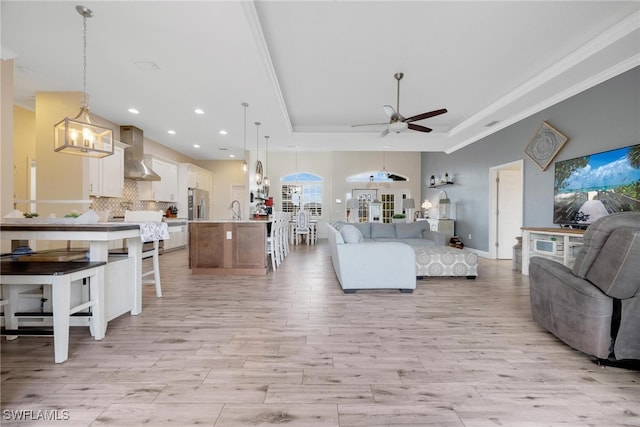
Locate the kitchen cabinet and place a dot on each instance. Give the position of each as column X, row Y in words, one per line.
column 106, row 175
column 177, row 238
column 165, row 190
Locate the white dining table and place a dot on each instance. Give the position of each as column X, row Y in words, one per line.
column 123, row 281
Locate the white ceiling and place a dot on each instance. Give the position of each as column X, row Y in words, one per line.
column 311, row 69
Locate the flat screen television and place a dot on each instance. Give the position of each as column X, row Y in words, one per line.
column 589, row 187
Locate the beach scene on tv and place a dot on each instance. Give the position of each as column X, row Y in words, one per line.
column 589, row 187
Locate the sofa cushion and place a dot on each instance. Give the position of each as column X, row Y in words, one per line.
column 365, row 229
column 380, row 230
column 351, row 234
column 409, row 230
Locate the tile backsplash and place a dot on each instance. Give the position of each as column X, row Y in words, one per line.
column 130, row 201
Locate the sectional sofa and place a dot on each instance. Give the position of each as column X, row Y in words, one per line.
column 378, row 256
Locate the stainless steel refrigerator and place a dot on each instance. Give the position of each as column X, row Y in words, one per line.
column 198, row 205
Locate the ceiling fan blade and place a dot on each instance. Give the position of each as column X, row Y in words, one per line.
column 389, row 110
column 425, row 115
column 384, row 133
column 419, row 128
column 370, row 124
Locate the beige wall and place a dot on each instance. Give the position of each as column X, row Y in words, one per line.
column 24, row 149
column 6, row 142
column 58, row 176
column 226, row 175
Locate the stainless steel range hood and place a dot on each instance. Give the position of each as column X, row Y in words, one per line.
column 134, row 165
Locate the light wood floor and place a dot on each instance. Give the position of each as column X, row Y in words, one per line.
column 292, row 349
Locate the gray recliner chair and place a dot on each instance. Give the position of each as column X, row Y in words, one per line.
column 595, row 306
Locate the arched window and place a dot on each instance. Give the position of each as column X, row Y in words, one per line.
column 302, row 190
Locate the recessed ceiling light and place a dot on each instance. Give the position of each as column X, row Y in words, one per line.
column 196, row 146
column 232, row 155
column 133, row 111
column 171, row 132
column 223, row 132
column 223, row 148
column 492, row 123
column 198, row 111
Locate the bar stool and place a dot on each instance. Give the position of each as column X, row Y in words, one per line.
column 142, row 217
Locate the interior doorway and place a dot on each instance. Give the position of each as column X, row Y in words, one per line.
column 506, row 212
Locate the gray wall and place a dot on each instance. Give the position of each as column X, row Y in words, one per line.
column 602, row 118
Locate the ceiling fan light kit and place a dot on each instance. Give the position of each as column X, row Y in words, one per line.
column 397, row 122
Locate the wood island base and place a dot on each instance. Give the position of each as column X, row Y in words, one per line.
column 228, row 248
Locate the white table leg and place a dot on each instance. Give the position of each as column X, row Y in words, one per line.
column 11, row 293
column 99, row 251
column 61, row 293
column 98, row 313
column 135, row 251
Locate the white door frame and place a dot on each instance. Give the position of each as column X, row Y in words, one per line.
column 493, row 201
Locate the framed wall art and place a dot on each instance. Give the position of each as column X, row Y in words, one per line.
column 545, row 145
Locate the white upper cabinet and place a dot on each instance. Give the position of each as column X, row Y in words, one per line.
column 106, row 175
column 165, row 190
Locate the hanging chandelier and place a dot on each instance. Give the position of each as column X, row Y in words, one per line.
column 245, row 166
column 81, row 135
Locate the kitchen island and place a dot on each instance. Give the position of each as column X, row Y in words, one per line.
column 228, row 247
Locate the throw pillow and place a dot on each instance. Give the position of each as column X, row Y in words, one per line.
column 351, row 234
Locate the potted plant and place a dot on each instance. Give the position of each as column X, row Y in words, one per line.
column 398, row 218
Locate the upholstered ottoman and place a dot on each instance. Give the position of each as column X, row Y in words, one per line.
column 445, row 261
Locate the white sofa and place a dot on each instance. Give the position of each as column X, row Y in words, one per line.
column 388, row 263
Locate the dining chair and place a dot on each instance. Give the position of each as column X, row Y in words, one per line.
column 142, row 217
column 302, row 226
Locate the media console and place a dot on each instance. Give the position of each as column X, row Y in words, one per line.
column 558, row 244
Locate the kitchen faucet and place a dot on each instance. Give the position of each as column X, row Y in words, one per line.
column 236, row 215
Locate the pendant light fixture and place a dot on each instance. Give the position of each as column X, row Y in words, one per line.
column 245, row 166
column 258, row 162
column 266, row 160
column 81, row 135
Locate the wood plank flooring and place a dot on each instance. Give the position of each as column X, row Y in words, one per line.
column 292, row 349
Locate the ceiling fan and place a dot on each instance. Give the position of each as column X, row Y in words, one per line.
column 397, row 122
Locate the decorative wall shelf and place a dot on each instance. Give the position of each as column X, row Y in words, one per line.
column 440, row 184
